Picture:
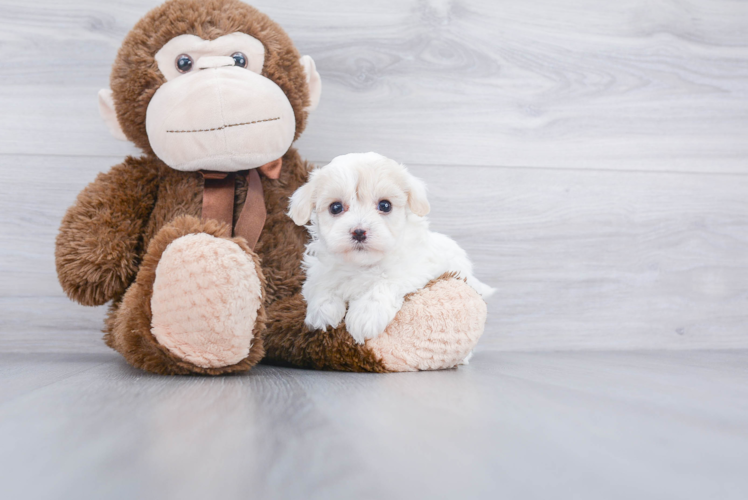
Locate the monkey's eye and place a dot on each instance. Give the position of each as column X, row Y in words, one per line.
column 336, row 207
column 240, row 59
column 184, row 63
column 385, row 206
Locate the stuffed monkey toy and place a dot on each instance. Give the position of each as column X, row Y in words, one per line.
column 191, row 243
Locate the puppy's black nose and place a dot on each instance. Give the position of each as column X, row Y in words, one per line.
column 358, row 235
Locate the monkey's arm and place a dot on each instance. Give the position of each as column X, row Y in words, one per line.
column 101, row 236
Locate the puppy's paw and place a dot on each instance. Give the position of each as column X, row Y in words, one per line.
column 366, row 319
column 323, row 313
column 466, row 361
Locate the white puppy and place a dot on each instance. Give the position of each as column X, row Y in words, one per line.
column 371, row 244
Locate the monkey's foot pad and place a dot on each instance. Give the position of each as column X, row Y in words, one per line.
column 205, row 300
column 437, row 328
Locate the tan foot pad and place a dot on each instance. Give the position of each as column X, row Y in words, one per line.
column 205, row 301
column 437, row 328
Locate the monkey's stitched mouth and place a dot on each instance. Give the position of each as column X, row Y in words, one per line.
column 221, row 128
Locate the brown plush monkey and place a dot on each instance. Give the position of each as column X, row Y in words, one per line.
column 191, row 242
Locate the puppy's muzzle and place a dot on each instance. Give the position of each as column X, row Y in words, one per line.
column 358, row 235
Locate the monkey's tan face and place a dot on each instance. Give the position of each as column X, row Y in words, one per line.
column 216, row 111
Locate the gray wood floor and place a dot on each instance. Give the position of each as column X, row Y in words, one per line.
column 510, row 425
column 591, row 156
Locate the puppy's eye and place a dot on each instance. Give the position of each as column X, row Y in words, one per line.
column 184, row 63
column 336, row 207
column 239, row 59
column 385, row 206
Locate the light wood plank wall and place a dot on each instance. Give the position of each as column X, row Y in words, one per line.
column 591, row 156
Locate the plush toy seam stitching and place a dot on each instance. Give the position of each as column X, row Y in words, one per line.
column 221, row 128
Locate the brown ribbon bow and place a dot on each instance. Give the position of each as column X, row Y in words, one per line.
column 218, row 200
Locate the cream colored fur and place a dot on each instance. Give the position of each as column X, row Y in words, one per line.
column 436, row 328
column 365, row 280
column 201, row 120
column 205, row 300
column 197, row 48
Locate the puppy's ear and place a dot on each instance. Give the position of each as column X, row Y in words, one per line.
column 417, row 199
column 302, row 203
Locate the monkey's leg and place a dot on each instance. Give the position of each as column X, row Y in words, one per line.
column 437, row 328
column 288, row 341
column 196, row 305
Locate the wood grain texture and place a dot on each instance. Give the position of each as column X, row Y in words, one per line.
column 631, row 85
column 509, row 425
column 630, row 231
column 600, row 256
column 581, row 259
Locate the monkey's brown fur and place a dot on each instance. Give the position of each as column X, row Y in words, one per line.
column 136, row 77
column 112, row 238
column 129, row 320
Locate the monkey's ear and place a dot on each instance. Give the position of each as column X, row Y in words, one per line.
column 418, row 202
column 313, row 81
column 302, row 203
column 107, row 112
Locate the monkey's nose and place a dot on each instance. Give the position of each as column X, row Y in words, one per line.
column 206, row 62
column 358, row 235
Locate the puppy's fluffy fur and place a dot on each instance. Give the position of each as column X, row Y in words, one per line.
column 370, row 273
